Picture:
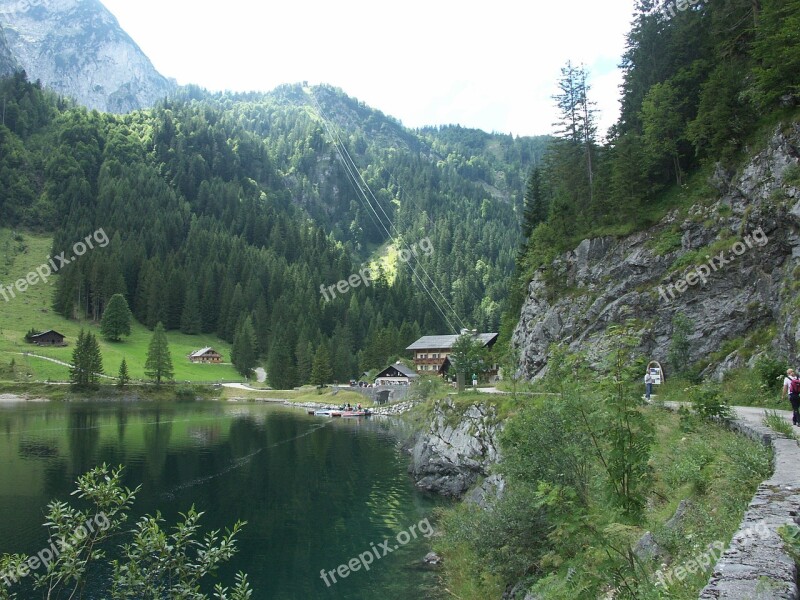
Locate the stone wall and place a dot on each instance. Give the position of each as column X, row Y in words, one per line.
column 755, row 567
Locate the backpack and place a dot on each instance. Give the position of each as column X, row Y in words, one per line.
column 794, row 385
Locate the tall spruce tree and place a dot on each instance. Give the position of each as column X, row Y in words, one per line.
column 116, row 320
column 281, row 371
column 321, row 371
column 87, row 362
column 123, row 377
column 243, row 353
column 159, row 362
column 191, row 319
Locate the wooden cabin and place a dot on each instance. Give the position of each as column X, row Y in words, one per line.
column 432, row 352
column 396, row 374
column 206, row 355
column 48, row 338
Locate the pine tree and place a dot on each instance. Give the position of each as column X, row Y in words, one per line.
column 280, row 367
column 321, row 371
column 87, row 362
column 77, row 372
column 159, row 362
column 304, row 354
column 116, row 320
column 243, row 353
column 191, row 320
column 123, row 377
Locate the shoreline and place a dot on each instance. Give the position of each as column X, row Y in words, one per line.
column 16, row 399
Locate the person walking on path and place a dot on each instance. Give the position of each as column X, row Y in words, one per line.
column 648, row 385
column 791, row 386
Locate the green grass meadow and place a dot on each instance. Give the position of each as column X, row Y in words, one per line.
column 33, row 309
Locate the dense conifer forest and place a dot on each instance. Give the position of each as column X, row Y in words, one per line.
column 227, row 212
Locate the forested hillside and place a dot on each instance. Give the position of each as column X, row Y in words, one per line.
column 702, row 86
column 697, row 86
column 226, row 213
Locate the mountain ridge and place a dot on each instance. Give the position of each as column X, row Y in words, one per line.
column 78, row 49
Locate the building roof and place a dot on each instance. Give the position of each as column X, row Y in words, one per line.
column 445, row 342
column 202, row 352
column 33, row 337
column 410, row 373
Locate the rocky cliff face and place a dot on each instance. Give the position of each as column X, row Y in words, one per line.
column 728, row 265
column 7, row 61
column 77, row 48
column 457, row 450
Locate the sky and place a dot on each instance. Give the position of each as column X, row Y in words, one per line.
column 490, row 65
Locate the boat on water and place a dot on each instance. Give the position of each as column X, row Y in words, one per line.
column 339, row 412
column 356, row 413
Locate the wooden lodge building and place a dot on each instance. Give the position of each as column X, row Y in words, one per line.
column 48, row 338
column 206, row 355
column 432, row 352
column 396, row 374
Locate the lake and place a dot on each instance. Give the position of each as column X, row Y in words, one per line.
column 315, row 492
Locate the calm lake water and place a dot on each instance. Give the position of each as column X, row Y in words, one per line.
column 315, row 492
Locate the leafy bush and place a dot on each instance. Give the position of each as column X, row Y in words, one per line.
column 426, row 388
column 790, row 534
column 155, row 563
column 30, row 335
column 185, row 393
column 771, row 371
column 708, row 402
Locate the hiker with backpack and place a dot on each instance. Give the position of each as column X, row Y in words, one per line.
column 791, row 386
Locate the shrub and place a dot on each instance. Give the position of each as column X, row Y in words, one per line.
column 770, row 370
column 185, row 393
column 708, row 402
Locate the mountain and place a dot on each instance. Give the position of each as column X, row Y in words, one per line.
column 228, row 214
column 7, row 61
column 78, row 49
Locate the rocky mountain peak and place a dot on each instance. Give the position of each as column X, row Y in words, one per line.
column 77, row 48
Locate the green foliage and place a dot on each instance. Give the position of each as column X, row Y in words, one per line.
column 243, row 352
column 708, row 401
column 692, row 467
column 790, row 534
column 281, row 372
column 87, row 363
column 679, row 347
column 668, row 242
column 154, row 564
column 116, row 320
column 624, row 437
column 468, row 356
column 427, row 388
column 123, row 377
column 321, row 371
column 696, row 91
column 778, row 424
column 771, row 371
column 31, row 334
column 159, row 361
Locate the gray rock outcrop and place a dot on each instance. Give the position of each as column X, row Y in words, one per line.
column 752, row 218
column 8, row 64
column 78, row 49
column 456, row 450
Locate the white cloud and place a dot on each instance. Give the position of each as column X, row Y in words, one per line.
column 488, row 65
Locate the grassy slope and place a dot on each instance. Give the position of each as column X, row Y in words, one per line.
column 32, row 309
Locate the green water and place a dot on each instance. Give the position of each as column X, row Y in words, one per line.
column 315, row 492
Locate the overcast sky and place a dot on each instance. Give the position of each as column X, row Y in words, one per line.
column 491, row 65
